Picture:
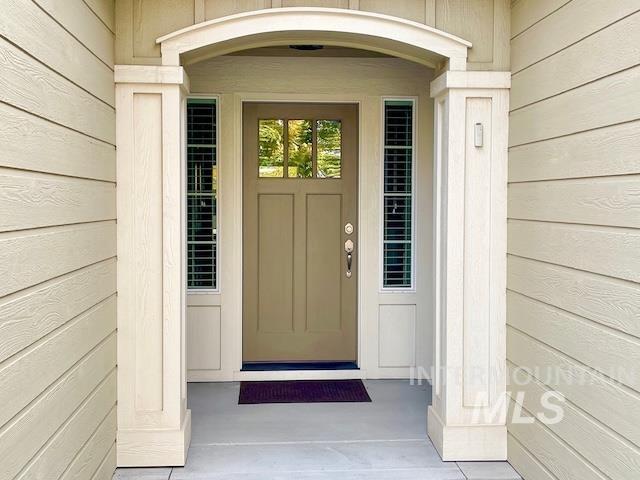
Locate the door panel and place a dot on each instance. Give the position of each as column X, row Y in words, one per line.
column 275, row 263
column 300, row 190
column 325, row 263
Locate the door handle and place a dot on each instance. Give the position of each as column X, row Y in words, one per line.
column 348, row 248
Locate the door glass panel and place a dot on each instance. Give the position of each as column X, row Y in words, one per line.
column 329, row 148
column 271, row 148
column 300, row 139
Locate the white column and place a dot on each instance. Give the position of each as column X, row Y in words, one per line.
column 154, row 426
column 467, row 418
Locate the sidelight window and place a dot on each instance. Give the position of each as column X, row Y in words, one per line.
column 398, row 199
column 202, row 190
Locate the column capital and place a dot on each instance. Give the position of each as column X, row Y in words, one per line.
column 470, row 80
column 151, row 74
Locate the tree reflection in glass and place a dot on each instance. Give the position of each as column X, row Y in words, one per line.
column 329, row 148
column 271, row 148
column 300, row 139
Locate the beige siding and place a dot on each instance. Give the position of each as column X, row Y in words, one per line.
column 573, row 302
column 485, row 23
column 57, row 240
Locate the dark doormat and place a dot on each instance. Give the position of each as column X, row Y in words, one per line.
column 303, row 391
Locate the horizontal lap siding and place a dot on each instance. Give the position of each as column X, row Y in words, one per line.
column 57, row 240
column 573, row 302
column 26, row 25
column 592, row 439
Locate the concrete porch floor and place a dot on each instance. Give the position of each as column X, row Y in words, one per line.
column 384, row 439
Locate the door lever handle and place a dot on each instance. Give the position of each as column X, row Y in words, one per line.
column 348, row 247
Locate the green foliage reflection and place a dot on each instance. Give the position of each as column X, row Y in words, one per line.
column 329, row 148
column 271, row 148
column 300, row 146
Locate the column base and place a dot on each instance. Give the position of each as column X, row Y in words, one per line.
column 467, row 442
column 154, row 448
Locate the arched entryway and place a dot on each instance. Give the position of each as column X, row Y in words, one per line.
column 466, row 420
column 328, row 26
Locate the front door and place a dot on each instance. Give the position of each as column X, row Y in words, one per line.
column 299, row 232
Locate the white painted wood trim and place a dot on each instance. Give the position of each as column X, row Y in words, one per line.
column 153, row 422
column 151, row 75
column 320, row 22
column 154, row 447
column 462, row 80
column 467, row 420
column 467, row 442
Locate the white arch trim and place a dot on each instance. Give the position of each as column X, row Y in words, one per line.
column 337, row 26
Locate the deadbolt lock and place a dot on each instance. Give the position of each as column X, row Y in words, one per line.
column 348, row 229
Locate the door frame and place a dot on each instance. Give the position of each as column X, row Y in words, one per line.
column 236, row 258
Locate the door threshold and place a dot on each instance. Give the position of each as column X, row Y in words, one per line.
column 266, row 375
column 289, row 366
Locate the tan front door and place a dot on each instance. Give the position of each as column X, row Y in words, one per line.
column 300, row 218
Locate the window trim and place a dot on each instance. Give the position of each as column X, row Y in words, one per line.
column 217, row 289
column 414, row 125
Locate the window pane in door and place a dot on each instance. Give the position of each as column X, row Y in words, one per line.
column 329, row 134
column 271, row 149
column 300, row 139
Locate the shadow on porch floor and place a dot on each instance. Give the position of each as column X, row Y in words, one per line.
column 384, row 439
